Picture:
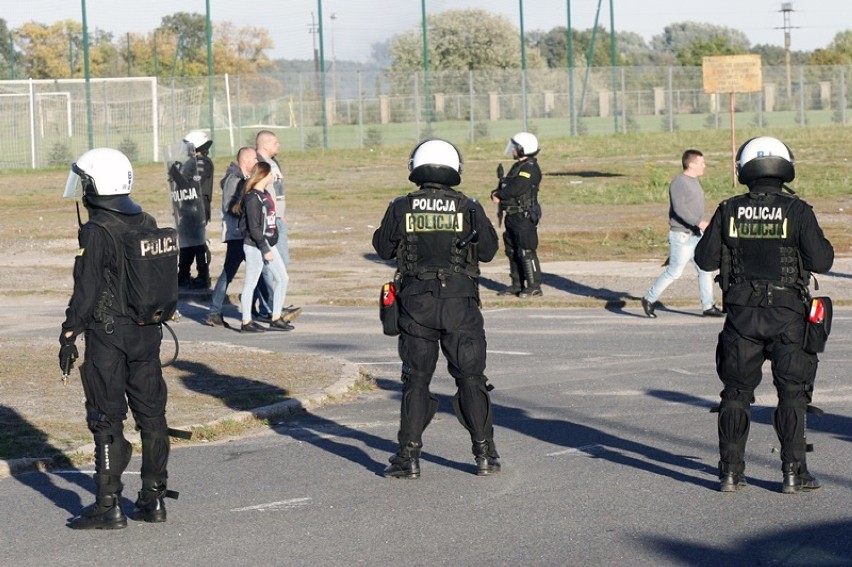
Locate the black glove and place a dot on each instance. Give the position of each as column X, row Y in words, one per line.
column 67, row 352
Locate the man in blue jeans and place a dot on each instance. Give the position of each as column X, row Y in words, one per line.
column 267, row 146
column 686, row 223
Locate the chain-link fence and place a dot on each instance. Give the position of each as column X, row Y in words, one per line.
column 47, row 123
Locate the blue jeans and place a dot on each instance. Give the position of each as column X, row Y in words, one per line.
column 682, row 252
column 254, row 266
column 264, row 287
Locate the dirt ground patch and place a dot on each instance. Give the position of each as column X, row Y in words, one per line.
column 39, row 417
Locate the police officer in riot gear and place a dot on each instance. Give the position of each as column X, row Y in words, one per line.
column 765, row 243
column 517, row 198
column 438, row 237
column 122, row 362
column 195, row 178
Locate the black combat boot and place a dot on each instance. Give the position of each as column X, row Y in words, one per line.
column 486, row 457
column 532, row 274
column 150, row 506
column 104, row 514
column 513, row 289
column 514, row 273
column 798, row 479
column 405, row 463
column 731, row 480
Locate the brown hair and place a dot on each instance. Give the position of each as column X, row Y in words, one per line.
column 260, row 170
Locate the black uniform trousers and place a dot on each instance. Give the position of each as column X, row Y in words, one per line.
column 121, row 369
column 454, row 325
column 751, row 336
column 198, row 255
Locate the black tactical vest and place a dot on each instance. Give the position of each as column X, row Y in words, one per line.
column 759, row 235
column 436, row 220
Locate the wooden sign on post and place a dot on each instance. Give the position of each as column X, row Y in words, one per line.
column 732, row 74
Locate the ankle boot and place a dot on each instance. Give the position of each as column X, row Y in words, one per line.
column 405, row 463
column 104, row 514
column 150, row 505
column 486, row 457
column 732, row 482
column 797, row 479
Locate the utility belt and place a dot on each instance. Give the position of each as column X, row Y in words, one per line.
column 441, row 274
column 108, row 322
column 515, row 209
column 769, row 290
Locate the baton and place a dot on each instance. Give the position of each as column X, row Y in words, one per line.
column 473, row 232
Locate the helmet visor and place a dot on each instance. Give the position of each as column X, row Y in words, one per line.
column 73, row 186
column 510, row 147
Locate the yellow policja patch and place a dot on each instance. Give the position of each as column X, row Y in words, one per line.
column 434, row 222
column 524, row 174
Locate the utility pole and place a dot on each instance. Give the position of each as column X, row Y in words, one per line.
column 312, row 29
column 786, row 10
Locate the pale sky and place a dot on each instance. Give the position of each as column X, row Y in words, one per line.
column 358, row 24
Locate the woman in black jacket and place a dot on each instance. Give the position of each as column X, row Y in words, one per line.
column 257, row 223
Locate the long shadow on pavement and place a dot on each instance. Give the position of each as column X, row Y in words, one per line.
column 36, row 441
column 307, row 427
column 815, row 544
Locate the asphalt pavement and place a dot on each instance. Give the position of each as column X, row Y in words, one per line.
column 609, row 458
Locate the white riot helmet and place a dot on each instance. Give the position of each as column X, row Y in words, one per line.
column 437, row 161
column 525, row 144
column 197, row 141
column 765, row 157
column 103, row 178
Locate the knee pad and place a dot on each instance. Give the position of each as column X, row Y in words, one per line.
column 789, row 419
column 418, row 406
column 472, row 405
column 155, row 455
column 734, row 423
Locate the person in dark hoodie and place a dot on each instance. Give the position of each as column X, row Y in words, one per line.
column 232, row 186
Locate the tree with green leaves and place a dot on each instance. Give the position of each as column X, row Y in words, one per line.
column 8, row 56
column 688, row 37
column 462, row 40
column 838, row 52
column 631, row 49
column 693, row 54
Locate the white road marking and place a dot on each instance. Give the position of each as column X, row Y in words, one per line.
column 585, row 450
column 280, row 505
column 71, row 472
column 509, row 352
